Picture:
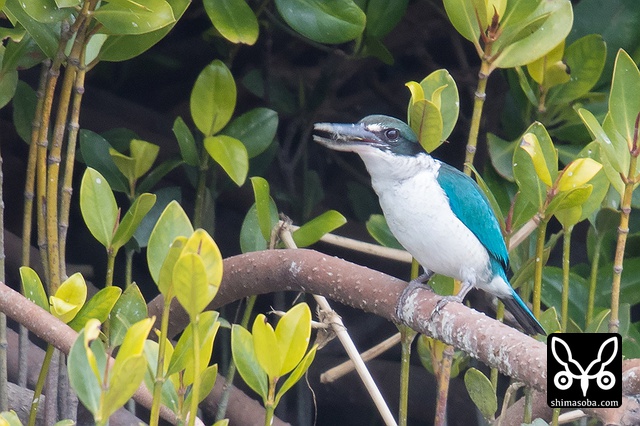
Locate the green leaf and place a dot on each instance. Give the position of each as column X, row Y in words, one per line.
column 379, row 230
column 139, row 17
column 426, row 121
column 462, row 15
column 82, row 378
column 292, row 333
column 98, row 307
column 244, row 357
column 187, row 143
column 230, row 154
column 234, row 19
column 32, row 287
column 173, row 222
column 8, row 85
column 256, row 129
column 251, row 238
column 323, row 21
column 45, row 11
column 202, row 244
column 585, row 58
column 532, row 147
column 190, row 284
column 213, row 98
column 297, row 373
column 163, row 197
column 534, row 36
column 69, row 298
column 481, row 392
column 577, row 173
column 383, row 16
column 129, row 223
column 165, row 279
column 45, row 35
column 128, row 310
column 208, row 378
column 98, row 206
column 552, row 296
column 266, row 347
column 208, row 325
column 123, row 47
column 128, row 369
column 440, row 84
column 95, row 153
column 624, row 99
column 609, row 149
column 24, row 109
column 145, row 154
column 501, row 153
column 263, row 202
column 312, row 231
column 207, row 336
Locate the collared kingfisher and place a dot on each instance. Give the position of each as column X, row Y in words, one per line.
column 437, row 213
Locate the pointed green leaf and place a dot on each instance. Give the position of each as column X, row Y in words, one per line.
column 208, row 325
column 440, row 88
column 96, row 154
column 45, row 11
column 256, row 129
column 128, row 310
column 173, row 222
column 202, row 244
column 231, row 154
column 98, row 307
column 213, row 98
column 312, row 231
column 383, row 16
column 426, row 121
column 323, row 21
column 98, row 206
column 82, row 378
column 481, row 392
column 292, row 333
column 69, row 298
column 578, row 173
column 624, row 99
column 234, row 19
column 603, row 139
column 165, row 278
column 125, row 164
column 263, row 201
column 244, row 357
column 463, row 16
column 32, row 287
column 265, row 344
column 145, row 154
column 186, row 141
column 190, row 284
column 207, row 382
column 297, row 373
column 379, row 230
column 532, row 147
column 251, row 238
column 207, row 337
column 132, row 219
column 129, row 17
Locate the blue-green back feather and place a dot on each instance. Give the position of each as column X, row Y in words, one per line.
column 470, row 205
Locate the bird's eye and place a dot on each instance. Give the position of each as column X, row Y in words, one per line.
column 392, row 134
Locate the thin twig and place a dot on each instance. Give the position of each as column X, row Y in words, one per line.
column 336, row 323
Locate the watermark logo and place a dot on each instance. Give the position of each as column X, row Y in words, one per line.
column 584, row 370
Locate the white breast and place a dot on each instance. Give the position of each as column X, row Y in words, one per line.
column 419, row 216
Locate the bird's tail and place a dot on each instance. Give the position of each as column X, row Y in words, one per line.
column 523, row 314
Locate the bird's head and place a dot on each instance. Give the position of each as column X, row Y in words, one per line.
column 372, row 134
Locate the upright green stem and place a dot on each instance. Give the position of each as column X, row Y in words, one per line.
column 593, row 279
column 623, row 229
column 478, row 103
column 160, row 378
column 566, row 269
column 195, row 387
column 407, row 335
column 111, row 260
column 198, row 216
column 539, row 264
column 269, row 406
column 40, row 384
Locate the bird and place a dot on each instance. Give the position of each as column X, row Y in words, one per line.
column 437, row 213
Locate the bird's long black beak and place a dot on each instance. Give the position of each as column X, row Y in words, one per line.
column 344, row 137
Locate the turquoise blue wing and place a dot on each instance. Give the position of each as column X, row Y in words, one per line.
column 470, row 205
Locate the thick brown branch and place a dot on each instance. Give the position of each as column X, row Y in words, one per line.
column 488, row 340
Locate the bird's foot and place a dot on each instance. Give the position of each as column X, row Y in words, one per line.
column 451, row 298
column 414, row 284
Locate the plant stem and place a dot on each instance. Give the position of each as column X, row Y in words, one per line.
column 160, row 379
column 443, row 378
column 231, row 371
column 198, row 214
column 406, row 338
column 195, row 387
column 566, row 269
column 478, row 103
column 593, row 279
column 539, row 264
column 40, row 384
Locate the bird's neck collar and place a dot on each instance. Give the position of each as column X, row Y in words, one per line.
column 383, row 165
